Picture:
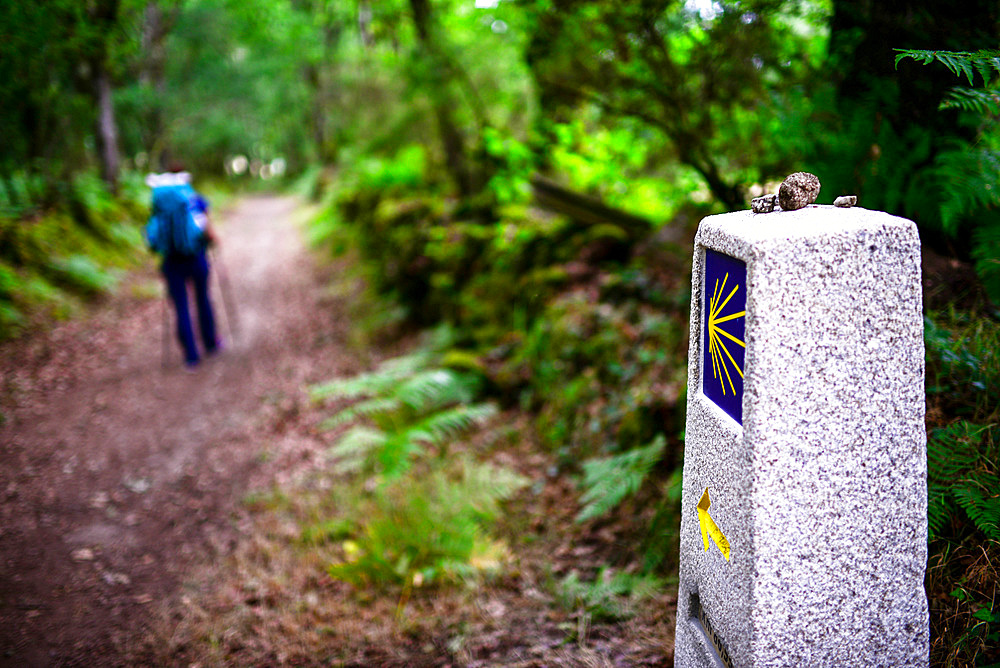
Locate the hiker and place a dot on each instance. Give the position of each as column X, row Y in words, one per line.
column 179, row 231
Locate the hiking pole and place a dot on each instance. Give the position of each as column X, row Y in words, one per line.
column 225, row 288
column 166, row 333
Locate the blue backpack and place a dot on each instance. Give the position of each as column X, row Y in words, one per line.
column 172, row 230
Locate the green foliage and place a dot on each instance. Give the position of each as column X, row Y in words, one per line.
column 708, row 88
column 388, row 375
column 411, row 408
column 969, row 173
column 661, row 547
column 50, row 59
column 969, row 178
column 983, row 629
column 514, row 162
column 604, row 376
column 963, row 364
column 543, row 308
column 617, row 165
column 403, row 171
column 985, row 62
column 430, row 528
column 963, row 379
column 973, row 100
column 986, row 255
column 963, row 478
column 609, row 480
column 329, row 530
column 81, row 273
column 49, row 258
column 610, row 597
column 426, row 519
column 391, row 452
column 964, row 578
column 226, row 80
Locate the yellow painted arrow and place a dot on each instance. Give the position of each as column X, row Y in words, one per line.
column 710, row 528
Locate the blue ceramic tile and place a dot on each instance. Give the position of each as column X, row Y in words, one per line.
column 724, row 311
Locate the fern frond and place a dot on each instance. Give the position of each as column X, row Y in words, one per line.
column 436, row 388
column 954, row 450
column 982, row 506
column 610, row 479
column 970, row 181
column 985, row 62
column 370, row 408
column 939, row 510
column 406, row 365
column 401, row 447
column 963, row 476
column 981, row 101
column 922, row 57
column 452, row 423
column 395, row 456
column 355, row 447
column 484, row 487
column 609, row 596
column 381, row 380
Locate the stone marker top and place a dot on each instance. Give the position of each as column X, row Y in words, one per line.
column 814, row 220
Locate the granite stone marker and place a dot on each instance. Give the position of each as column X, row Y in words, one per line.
column 804, row 510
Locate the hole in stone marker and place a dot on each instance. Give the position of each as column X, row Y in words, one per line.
column 694, row 605
column 717, row 650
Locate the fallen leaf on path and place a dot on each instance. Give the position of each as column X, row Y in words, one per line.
column 116, row 578
column 137, row 485
column 83, row 554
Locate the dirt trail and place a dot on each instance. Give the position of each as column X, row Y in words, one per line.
column 116, row 476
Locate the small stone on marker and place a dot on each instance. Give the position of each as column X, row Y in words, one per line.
column 764, row 203
column 798, row 190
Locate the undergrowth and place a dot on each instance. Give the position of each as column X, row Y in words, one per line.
column 963, row 457
column 609, row 596
column 53, row 256
column 582, row 323
column 430, row 528
column 966, row 175
column 424, row 517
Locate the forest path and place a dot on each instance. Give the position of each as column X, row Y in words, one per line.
column 118, row 476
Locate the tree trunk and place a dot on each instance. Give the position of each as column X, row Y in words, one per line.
column 452, row 139
column 107, row 130
column 156, row 25
column 364, row 23
column 152, row 75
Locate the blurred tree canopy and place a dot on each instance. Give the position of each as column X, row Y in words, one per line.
column 716, row 85
column 57, row 62
column 635, row 102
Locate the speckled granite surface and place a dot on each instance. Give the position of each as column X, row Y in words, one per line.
column 821, row 492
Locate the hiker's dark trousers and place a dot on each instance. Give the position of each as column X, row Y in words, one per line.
column 179, row 271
